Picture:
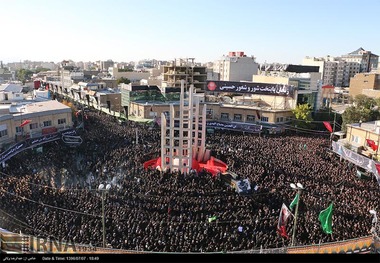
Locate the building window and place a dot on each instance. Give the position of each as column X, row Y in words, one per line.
column 237, row 117
column 251, row 118
column 264, row 119
column 355, row 139
column 33, row 126
column 224, row 116
column 19, row 129
column 280, row 119
column 209, row 113
column 61, row 121
column 46, row 123
column 3, row 133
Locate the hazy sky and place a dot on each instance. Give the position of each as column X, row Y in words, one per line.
column 282, row 31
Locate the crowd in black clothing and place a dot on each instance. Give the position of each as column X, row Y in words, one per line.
column 55, row 194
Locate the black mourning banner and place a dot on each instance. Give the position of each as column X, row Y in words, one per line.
column 33, row 142
column 251, row 88
column 246, row 127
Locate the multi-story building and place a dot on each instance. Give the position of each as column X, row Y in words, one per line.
column 306, row 80
column 184, row 69
column 6, row 75
column 236, row 67
column 105, row 65
column 365, row 83
column 367, row 60
column 133, row 76
column 32, row 119
column 338, row 71
column 10, row 93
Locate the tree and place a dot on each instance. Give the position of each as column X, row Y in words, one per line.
column 302, row 113
column 39, row 69
column 363, row 101
column 123, row 80
column 364, row 109
column 23, row 75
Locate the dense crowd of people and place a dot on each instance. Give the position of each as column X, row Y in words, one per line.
column 55, row 193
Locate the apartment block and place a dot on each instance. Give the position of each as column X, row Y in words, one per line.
column 365, row 83
column 184, row 69
column 236, row 66
column 338, row 71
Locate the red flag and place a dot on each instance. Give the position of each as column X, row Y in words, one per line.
column 25, row 123
column 328, row 126
column 377, row 167
column 283, row 218
column 372, row 144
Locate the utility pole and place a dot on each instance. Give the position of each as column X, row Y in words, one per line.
column 334, row 121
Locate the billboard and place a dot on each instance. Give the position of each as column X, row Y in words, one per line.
column 251, row 88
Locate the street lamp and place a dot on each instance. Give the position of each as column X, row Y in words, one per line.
column 375, row 230
column 299, row 187
column 104, row 191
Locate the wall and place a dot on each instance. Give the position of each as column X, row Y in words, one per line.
column 242, row 69
column 38, row 118
column 144, row 111
column 132, row 76
column 363, row 81
column 362, row 134
column 270, row 79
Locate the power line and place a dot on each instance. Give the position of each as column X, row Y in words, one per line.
column 51, row 206
column 26, row 225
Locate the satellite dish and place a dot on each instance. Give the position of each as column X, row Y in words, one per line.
column 101, row 187
column 300, row 185
column 293, row 186
column 108, row 187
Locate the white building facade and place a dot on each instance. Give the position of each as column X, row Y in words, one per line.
column 337, row 71
column 236, row 67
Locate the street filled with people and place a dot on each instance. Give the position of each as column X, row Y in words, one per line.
column 54, row 192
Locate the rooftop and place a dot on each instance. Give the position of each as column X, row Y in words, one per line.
column 42, row 106
column 11, row 87
column 367, row 126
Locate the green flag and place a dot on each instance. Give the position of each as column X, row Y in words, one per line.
column 213, row 218
column 295, row 201
column 325, row 217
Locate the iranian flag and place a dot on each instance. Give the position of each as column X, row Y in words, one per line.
column 282, row 220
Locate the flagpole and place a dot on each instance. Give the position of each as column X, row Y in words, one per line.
column 319, row 245
column 299, row 188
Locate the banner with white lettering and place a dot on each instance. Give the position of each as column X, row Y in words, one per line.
column 251, row 87
column 357, row 159
column 33, row 142
column 247, row 127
